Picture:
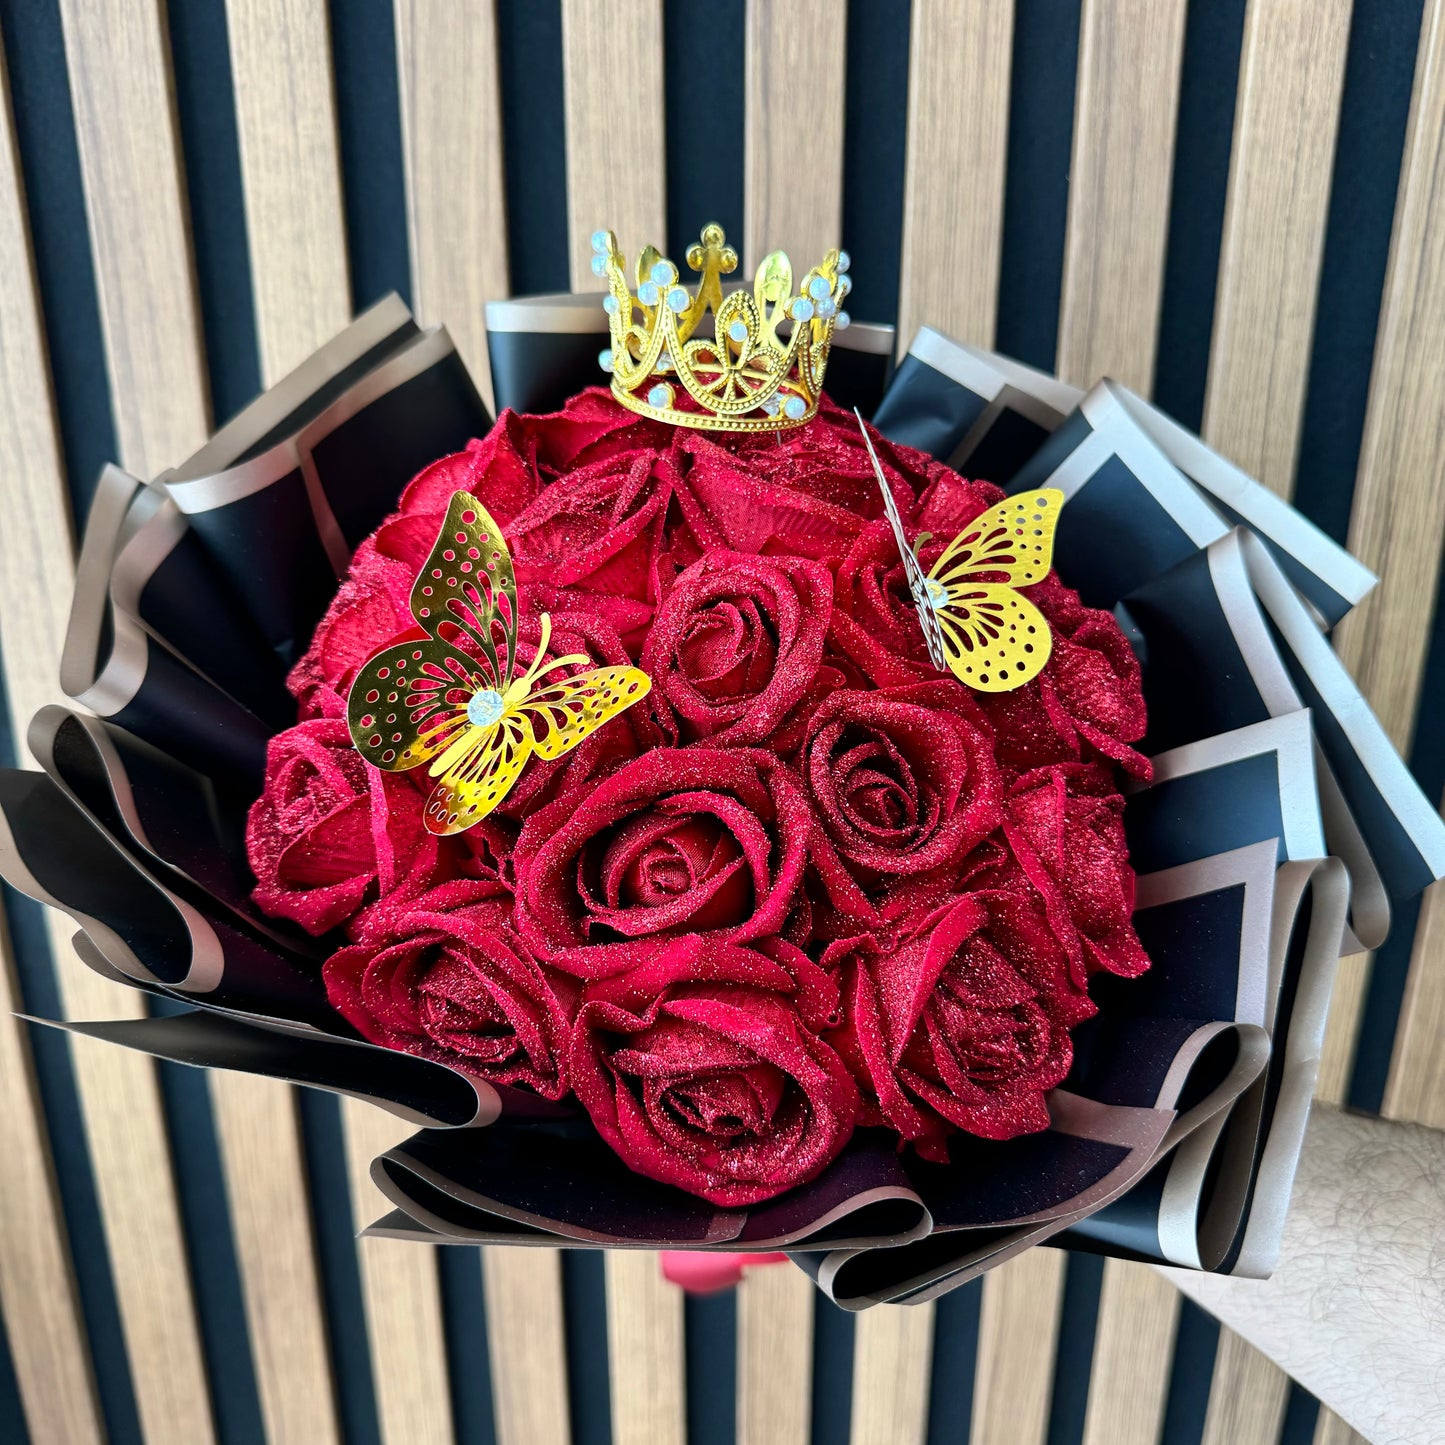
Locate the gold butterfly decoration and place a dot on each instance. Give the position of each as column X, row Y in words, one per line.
column 455, row 698
column 975, row 622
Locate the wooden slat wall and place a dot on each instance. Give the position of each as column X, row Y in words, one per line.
column 1282, row 154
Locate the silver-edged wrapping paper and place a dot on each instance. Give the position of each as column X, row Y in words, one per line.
column 1278, row 829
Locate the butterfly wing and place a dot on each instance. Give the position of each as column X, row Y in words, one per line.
column 994, row 638
column 912, row 567
column 1012, row 542
column 409, row 703
column 466, row 592
column 563, row 713
column 477, row 772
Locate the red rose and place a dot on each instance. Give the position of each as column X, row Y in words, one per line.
column 678, row 841
column 875, row 621
column 702, row 1068
column 902, row 779
column 965, row 1024
column 445, row 976
column 736, row 646
column 329, row 833
column 1066, row 827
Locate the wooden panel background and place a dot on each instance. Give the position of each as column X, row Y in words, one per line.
column 1181, row 196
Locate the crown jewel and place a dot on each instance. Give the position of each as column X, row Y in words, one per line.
column 743, row 377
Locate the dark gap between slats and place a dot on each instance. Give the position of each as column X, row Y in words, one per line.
column 1195, row 1345
column 1374, row 108
column 50, row 168
column 464, row 1313
column 368, row 123
column 12, row 1411
column 534, row 146
column 955, row 1355
column 710, row 1340
column 1042, row 79
column 206, row 112
column 875, row 144
column 589, row 1387
column 64, row 1123
column 1074, row 1355
column 1208, row 81
column 337, row 1249
column 704, row 173
column 210, row 1244
column 1301, row 1415
column 832, row 1403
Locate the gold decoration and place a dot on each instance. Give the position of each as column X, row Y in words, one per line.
column 991, row 637
column 743, row 377
column 454, row 698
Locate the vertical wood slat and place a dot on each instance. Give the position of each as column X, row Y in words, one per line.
column 402, row 1298
column 452, row 126
column 44, row 1327
column 793, row 148
column 1286, row 116
column 1247, row 1396
column 959, row 65
column 1124, row 111
column 612, row 77
column 117, row 60
column 645, row 1351
column 775, row 1350
column 526, row 1342
column 1133, row 1355
column 795, row 61
column 1018, row 1329
column 1126, row 99
column 290, row 172
column 892, row 1365
column 451, row 119
column 1331, row 1430
column 1399, row 514
column 291, row 182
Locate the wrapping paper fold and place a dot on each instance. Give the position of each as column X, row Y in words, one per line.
column 1279, row 826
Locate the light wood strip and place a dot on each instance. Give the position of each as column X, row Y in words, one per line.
column 1291, row 74
column 118, row 63
column 892, row 1362
column 116, row 52
column 451, row 123
column 527, row 1343
column 1331, row 1430
column 775, row 1352
column 645, row 1351
column 1399, row 515
column 960, row 56
column 291, row 175
column 1018, row 1329
column 44, row 1327
column 402, row 1297
column 793, row 147
column 1337, row 1056
column 1124, row 112
column 612, row 73
column 1399, row 506
column 1133, row 1356
column 1416, row 1088
column 1247, row 1396
column 260, row 1138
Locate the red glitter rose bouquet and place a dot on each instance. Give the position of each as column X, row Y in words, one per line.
column 660, row 874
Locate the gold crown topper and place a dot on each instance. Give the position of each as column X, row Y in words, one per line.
column 744, row 377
